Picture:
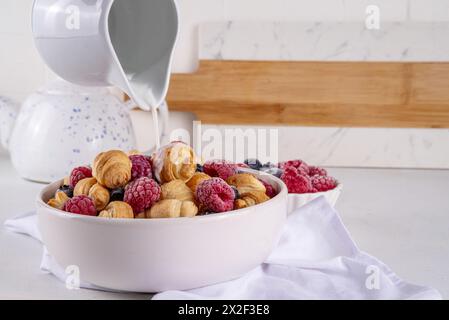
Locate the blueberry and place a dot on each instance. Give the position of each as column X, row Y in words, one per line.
column 269, row 165
column 273, row 171
column 253, row 164
column 236, row 192
column 117, row 194
column 68, row 190
column 199, row 168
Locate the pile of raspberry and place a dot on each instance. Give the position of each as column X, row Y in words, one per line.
column 302, row 178
column 297, row 175
column 140, row 193
column 212, row 196
column 215, row 195
column 80, row 204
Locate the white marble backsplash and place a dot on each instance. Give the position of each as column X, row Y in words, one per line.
column 325, row 41
column 361, row 147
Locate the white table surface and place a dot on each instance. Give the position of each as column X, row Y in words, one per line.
column 399, row 216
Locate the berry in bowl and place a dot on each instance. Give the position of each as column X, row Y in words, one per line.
column 151, row 224
column 304, row 182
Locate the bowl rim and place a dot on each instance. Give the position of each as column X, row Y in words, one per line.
column 283, row 193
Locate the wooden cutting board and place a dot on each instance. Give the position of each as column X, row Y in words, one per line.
column 342, row 94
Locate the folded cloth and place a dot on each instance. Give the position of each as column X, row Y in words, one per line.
column 315, row 259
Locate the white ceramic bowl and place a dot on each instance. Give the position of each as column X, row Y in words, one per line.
column 296, row 201
column 156, row 255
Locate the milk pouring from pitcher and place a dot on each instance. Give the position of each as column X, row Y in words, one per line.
column 121, row 43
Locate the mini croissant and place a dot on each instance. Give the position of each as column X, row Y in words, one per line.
column 59, row 201
column 100, row 196
column 117, row 210
column 172, row 208
column 112, row 169
column 250, row 199
column 141, row 215
column 176, row 161
column 245, row 183
column 188, row 209
column 178, row 190
column 82, row 188
column 195, row 181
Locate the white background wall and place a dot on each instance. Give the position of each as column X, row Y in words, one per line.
column 21, row 70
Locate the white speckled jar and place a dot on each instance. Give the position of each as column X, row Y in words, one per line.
column 63, row 125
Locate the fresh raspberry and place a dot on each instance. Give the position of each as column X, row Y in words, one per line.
column 324, row 183
column 302, row 171
column 79, row 174
column 296, row 183
column 298, row 164
column 142, row 193
column 317, row 171
column 220, row 168
column 81, row 205
column 215, row 195
column 270, row 189
column 141, row 167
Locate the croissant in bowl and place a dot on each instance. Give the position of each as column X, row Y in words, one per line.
column 83, row 187
column 250, row 199
column 176, row 161
column 100, row 196
column 112, row 169
column 117, row 210
column 245, row 182
column 195, row 181
column 176, row 189
column 172, row 208
column 59, row 201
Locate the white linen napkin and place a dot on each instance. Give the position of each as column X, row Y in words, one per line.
column 315, row 259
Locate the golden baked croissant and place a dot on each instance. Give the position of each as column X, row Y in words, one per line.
column 117, row 210
column 82, row 188
column 59, row 201
column 188, row 209
column 250, row 199
column 172, row 208
column 178, row 190
column 245, row 182
column 197, row 178
column 100, row 196
column 176, row 161
column 112, row 169
column 141, row 215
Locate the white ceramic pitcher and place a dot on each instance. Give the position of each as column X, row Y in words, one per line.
column 124, row 43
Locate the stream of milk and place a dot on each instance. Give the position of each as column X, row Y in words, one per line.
column 156, row 127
